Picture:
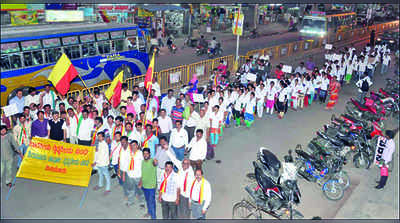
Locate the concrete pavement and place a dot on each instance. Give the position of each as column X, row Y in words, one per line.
column 236, row 150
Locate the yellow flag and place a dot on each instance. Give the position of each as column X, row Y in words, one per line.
column 115, row 85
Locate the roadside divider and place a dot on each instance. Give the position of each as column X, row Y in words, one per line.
column 174, row 78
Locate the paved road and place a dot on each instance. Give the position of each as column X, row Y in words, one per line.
column 236, row 150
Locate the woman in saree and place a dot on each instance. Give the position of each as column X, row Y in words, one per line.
column 334, row 89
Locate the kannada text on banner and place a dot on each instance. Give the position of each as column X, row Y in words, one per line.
column 57, row 162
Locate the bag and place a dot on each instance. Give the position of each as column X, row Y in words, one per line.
column 365, row 86
column 210, row 152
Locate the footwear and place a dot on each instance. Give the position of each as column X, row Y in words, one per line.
column 378, row 187
column 146, row 215
column 96, row 188
column 114, row 176
column 142, row 206
column 106, row 192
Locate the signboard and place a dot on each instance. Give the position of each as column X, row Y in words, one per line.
column 328, row 46
column 174, row 77
column 237, row 25
column 9, row 47
column 19, row 18
column 251, row 77
column 287, row 69
column 57, row 162
column 64, row 16
column 10, row 110
column 31, row 45
column 200, row 70
column 198, row 98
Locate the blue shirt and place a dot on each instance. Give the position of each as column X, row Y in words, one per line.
column 19, row 102
column 153, row 141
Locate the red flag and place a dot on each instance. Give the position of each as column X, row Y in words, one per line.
column 148, row 80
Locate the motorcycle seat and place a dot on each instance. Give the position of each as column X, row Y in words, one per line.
column 304, row 154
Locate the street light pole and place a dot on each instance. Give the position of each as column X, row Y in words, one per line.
column 237, row 36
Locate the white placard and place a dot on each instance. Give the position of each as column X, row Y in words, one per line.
column 327, row 57
column 10, row 110
column 198, row 98
column 200, row 70
column 328, row 46
column 208, row 29
column 174, row 77
column 287, row 69
column 251, row 77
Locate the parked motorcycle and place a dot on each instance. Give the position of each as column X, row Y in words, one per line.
column 274, row 194
column 172, row 48
column 200, row 50
column 328, row 175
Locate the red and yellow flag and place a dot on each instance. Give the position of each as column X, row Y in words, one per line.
column 148, row 80
column 62, row 74
column 113, row 93
column 104, row 16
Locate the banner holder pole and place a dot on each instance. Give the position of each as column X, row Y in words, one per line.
column 83, row 197
column 11, row 188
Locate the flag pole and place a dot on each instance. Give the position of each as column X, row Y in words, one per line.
column 84, row 84
column 149, row 92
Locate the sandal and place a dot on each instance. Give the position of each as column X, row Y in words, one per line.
column 106, row 192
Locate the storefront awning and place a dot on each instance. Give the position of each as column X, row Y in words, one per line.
column 162, row 8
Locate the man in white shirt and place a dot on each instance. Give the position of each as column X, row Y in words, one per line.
column 301, row 69
column 385, row 64
column 363, row 88
column 203, row 122
column 125, row 93
column 101, row 161
column 178, row 140
column 169, row 192
column 249, row 110
column 84, row 129
column 137, row 101
column 114, row 155
column 165, row 123
column 32, row 97
column 190, row 123
column 200, row 196
column 198, row 150
column 323, row 88
column 168, row 102
column 48, row 97
column 156, row 87
column 130, row 170
column 185, row 179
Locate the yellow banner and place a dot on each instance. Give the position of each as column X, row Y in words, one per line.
column 144, row 13
column 237, row 26
column 19, row 18
column 57, row 162
column 12, row 7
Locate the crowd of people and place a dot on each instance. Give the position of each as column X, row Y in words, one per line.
column 155, row 146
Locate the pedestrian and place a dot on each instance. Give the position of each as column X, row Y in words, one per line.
column 18, row 100
column 198, row 150
column 57, row 128
column 334, row 89
column 270, row 97
column 148, row 183
column 165, row 123
column 9, row 148
column 200, row 196
column 190, row 123
column 22, row 136
column 363, row 87
column 84, row 129
column 150, row 140
column 168, row 102
column 179, row 140
column 115, row 148
column 324, row 88
column 177, row 112
column 261, row 92
column 169, row 192
column 216, row 119
column 48, row 97
column 161, row 158
column 384, row 172
column 249, row 110
column 130, row 170
column 385, row 63
column 72, row 123
column 282, row 99
column 101, row 161
column 39, row 127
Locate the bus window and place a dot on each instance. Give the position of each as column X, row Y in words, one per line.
column 52, row 55
column 28, row 59
column 119, row 45
column 88, row 49
column 72, row 52
column 104, row 47
column 5, row 62
column 15, row 61
column 37, row 57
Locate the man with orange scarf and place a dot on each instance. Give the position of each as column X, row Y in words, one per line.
column 334, row 89
column 169, row 192
column 130, row 170
column 200, row 196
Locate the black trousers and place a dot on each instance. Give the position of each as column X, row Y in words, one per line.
column 190, row 131
column 382, row 182
column 84, row 142
column 183, row 208
column 169, row 210
column 280, row 106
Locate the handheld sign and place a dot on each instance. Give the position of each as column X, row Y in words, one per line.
column 10, row 110
column 328, row 46
column 251, row 77
column 198, row 98
column 287, row 69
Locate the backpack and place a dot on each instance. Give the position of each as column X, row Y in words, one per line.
column 365, row 86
